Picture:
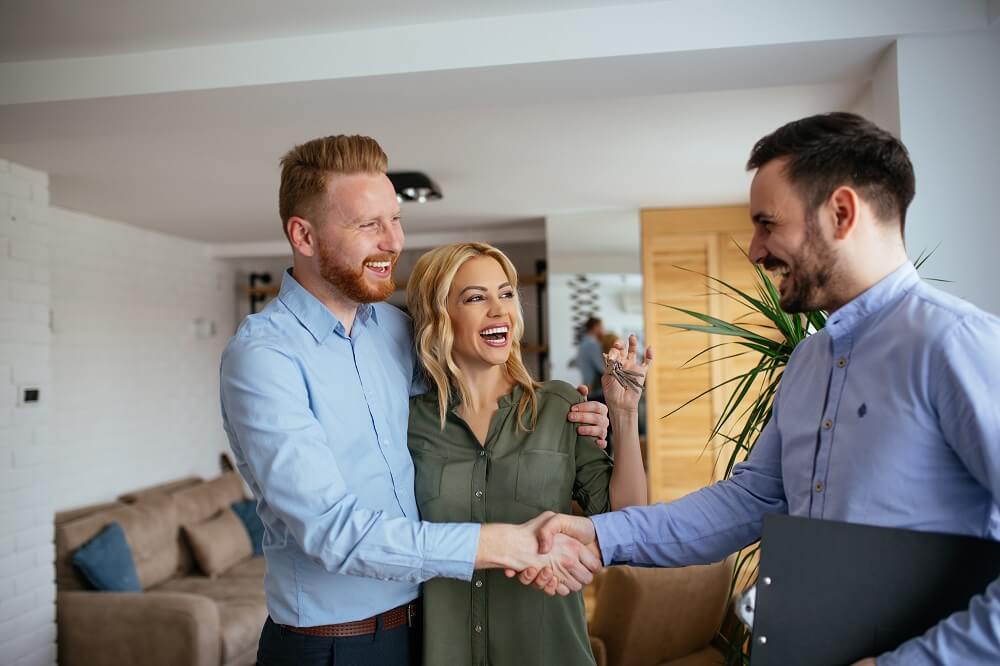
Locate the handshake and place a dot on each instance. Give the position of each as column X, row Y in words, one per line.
column 554, row 552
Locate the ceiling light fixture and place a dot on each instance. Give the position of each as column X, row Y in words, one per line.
column 414, row 186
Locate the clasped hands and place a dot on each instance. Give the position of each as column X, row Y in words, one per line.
column 566, row 554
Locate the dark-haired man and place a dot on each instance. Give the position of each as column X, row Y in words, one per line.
column 888, row 416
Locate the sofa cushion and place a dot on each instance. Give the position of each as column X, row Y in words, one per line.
column 106, row 561
column 255, row 567
column 198, row 503
column 150, row 528
column 70, row 515
column 223, row 588
column 219, row 543
column 241, row 604
column 241, row 621
column 168, row 488
column 246, row 511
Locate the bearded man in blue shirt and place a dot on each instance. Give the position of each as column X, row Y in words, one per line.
column 888, row 416
column 315, row 400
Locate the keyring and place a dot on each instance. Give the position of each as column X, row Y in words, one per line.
column 624, row 377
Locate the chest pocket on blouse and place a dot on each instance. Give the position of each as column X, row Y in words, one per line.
column 427, row 476
column 543, row 480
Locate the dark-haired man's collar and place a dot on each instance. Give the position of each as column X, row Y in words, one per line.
column 876, row 298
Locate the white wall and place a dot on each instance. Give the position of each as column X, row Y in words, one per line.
column 605, row 246
column 613, row 291
column 595, row 242
column 949, row 109
column 100, row 316
column 884, row 92
column 27, row 588
column 135, row 385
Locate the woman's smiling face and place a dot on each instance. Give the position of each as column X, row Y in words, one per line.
column 483, row 310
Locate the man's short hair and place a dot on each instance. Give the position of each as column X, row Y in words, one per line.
column 830, row 150
column 306, row 168
column 591, row 322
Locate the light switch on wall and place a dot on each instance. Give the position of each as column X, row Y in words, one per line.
column 28, row 396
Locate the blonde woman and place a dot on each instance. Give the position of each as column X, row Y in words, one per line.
column 489, row 444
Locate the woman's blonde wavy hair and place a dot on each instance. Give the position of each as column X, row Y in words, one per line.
column 427, row 299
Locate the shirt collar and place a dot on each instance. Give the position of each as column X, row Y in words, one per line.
column 503, row 402
column 313, row 315
column 877, row 298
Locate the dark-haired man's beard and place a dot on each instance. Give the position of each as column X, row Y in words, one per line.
column 350, row 280
column 810, row 276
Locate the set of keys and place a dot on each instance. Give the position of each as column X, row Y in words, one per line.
column 627, row 379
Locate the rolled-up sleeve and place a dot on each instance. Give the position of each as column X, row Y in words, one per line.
column 286, row 454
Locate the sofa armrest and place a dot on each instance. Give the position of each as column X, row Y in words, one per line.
column 151, row 628
column 600, row 651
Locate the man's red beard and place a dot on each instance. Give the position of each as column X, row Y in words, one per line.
column 351, row 282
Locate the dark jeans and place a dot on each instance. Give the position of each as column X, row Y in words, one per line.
column 396, row 647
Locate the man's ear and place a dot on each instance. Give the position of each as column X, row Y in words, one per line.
column 846, row 206
column 301, row 235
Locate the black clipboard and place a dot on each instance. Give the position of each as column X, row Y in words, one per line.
column 830, row 593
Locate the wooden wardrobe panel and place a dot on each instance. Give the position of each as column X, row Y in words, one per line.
column 680, row 246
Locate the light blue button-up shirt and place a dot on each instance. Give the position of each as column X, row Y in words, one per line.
column 888, row 416
column 317, row 422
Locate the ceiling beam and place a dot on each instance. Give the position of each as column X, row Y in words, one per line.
column 657, row 27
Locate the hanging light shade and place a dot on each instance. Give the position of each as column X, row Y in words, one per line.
column 414, row 186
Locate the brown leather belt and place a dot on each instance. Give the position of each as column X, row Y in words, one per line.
column 391, row 619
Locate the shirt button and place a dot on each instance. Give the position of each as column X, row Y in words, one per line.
column 841, row 362
column 827, row 424
column 479, row 628
column 819, row 486
column 482, row 453
column 479, row 493
column 479, row 583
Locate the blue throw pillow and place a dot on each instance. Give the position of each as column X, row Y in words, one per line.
column 246, row 510
column 106, row 561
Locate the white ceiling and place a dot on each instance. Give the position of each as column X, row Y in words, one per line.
column 511, row 142
column 42, row 29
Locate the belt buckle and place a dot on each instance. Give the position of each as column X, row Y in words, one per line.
column 411, row 611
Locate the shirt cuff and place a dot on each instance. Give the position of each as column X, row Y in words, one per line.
column 614, row 536
column 450, row 550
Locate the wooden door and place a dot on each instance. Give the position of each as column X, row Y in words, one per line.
column 680, row 247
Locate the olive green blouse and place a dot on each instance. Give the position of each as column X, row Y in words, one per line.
column 493, row 620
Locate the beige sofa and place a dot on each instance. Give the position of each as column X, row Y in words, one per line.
column 659, row 617
column 182, row 616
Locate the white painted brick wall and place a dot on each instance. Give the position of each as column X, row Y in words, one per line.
column 99, row 315
column 27, row 587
